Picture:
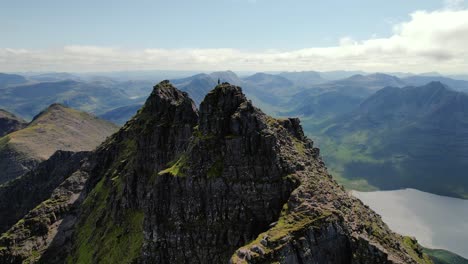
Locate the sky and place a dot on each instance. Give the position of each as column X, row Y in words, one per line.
column 243, row 35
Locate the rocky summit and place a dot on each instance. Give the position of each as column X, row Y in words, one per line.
column 222, row 184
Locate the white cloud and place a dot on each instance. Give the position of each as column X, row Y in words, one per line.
column 429, row 41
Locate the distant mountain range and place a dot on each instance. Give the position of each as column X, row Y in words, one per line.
column 276, row 93
column 120, row 115
column 56, row 128
column 440, row 256
column 11, row 79
column 346, row 112
column 403, row 137
column 304, row 78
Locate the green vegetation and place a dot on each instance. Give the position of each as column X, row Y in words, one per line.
column 415, row 251
column 375, row 229
column 359, row 184
column 33, row 226
column 33, row 258
column 200, row 136
column 299, row 146
column 4, row 141
column 106, row 237
column 176, row 168
column 338, row 156
column 289, row 223
column 440, row 256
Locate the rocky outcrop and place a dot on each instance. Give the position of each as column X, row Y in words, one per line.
column 225, row 184
column 123, row 180
column 10, row 123
column 218, row 188
column 43, row 201
column 19, row 196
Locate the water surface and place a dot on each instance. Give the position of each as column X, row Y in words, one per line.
column 436, row 221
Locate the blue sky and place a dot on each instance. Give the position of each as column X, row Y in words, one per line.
column 243, row 24
column 237, row 34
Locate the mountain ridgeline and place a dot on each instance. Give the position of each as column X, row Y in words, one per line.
column 56, row 128
column 223, row 184
column 413, row 137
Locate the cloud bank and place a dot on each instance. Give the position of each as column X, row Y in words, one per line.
column 428, row 41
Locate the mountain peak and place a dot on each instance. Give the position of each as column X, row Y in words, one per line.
column 56, row 106
column 166, row 91
column 164, row 99
column 56, row 128
column 436, row 84
column 218, row 107
column 56, row 109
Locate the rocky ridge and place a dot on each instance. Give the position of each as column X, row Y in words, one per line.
column 223, row 184
column 10, row 123
column 37, row 208
column 19, row 196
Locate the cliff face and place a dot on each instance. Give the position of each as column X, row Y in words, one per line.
column 43, row 201
column 19, row 196
column 228, row 185
column 225, row 184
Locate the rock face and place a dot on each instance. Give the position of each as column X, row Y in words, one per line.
column 225, row 184
column 19, row 196
column 43, row 202
column 56, row 128
column 10, row 123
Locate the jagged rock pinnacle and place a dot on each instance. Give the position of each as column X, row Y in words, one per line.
column 218, row 106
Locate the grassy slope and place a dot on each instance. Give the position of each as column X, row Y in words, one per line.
column 337, row 155
column 57, row 128
column 60, row 128
column 440, row 256
column 375, row 159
